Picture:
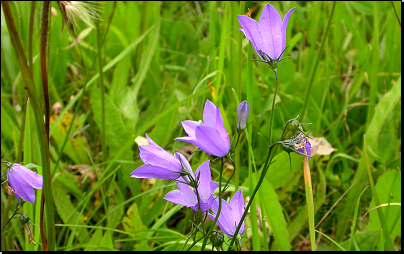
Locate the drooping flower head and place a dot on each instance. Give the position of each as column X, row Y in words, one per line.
column 230, row 214
column 158, row 163
column 269, row 35
column 243, row 111
column 211, row 135
column 186, row 195
column 23, row 181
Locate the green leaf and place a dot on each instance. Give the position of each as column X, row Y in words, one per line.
column 66, row 210
column 132, row 221
column 274, row 215
column 388, row 189
column 94, row 241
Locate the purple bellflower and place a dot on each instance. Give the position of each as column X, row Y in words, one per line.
column 158, row 163
column 269, row 35
column 211, row 135
column 23, row 181
column 187, row 196
column 243, row 111
column 230, row 215
column 308, row 147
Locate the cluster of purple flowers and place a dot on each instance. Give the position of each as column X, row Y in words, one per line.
column 195, row 190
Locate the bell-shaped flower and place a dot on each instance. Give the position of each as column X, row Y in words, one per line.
column 243, row 111
column 158, row 163
column 269, row 35
column 211, row 135
column 23, row 181
column 230, row 214
column 186, row 195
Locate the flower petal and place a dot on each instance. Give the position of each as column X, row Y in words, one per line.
column 177, row 197
column 308, row 148
column 157, row 156
column 149, row 171
column 184, row 162
column 251, row 32
column 188, row 193
column 237, row 207
column 284, row 26
column 209, row 114
column 203, row 171
column 21, row 187
column 222, row 130
column 210, row 141
column 32, row 178
column 270, row 25
column 189, row 127
column 151, row 141
column 226, row 220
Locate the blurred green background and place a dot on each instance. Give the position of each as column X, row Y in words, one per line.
column 157, row 54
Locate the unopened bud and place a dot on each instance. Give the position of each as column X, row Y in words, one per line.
column 24, row 219
column 243, row 111
column 217, row 238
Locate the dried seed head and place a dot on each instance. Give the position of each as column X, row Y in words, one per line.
column 72, row 10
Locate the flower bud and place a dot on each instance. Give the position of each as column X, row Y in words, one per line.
column 217, row 238
column 243, row 111
column 24, row 219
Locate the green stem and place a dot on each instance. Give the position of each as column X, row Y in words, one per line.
column 313, row 74
column 265, row 169
column 273, row 107
column 309, row 201
column 395, row 11
column 43, row 141
column 102, row 90
column 262, row 177
column 219, row 209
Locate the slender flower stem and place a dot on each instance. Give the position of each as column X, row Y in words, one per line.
column 267, row 163
column 102, row 91
column 43, row 50
column 309, row 200
column 273, row 107
column 218, row 211
column 262, row 177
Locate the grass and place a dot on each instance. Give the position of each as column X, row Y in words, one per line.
column 160, row 61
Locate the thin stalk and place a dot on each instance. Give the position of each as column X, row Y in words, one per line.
column 309, row 200
column 273, row 107
column 43, row 50
column 313, row 74
column 219, row 209
column 102, row 90
column 395, row 11
column 262, row 177
column 240, row 52
column 239, row 91
column 237, row 168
